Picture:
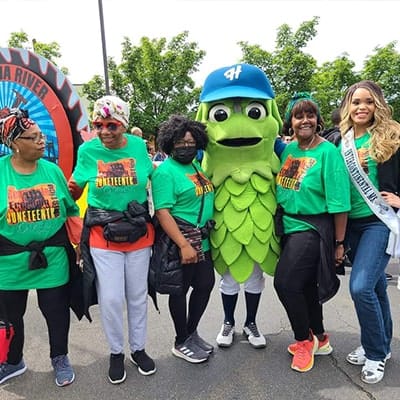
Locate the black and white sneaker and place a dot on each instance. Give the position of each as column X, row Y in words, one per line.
column 253, row 336
column 190, row 351
column 144, row 363
column 207, row 347
column 225, row 335
column 116, row 372
column 373, row 371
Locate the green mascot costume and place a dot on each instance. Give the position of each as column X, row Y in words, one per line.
column 242, row 119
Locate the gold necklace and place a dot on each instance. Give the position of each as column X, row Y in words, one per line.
column 309, row 144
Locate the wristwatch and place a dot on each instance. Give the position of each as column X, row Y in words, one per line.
column 339, row 243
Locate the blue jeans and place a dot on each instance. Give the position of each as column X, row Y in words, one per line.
column 368, row 241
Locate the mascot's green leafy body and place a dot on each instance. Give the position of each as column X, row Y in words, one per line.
column 242, row 119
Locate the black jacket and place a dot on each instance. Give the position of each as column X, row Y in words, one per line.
column 37, row 260
column 332, row 135
column 93, row 217
column 327, row 280
column 165, row 271
column 389, row 174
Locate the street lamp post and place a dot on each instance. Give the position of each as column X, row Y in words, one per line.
column 103, row 44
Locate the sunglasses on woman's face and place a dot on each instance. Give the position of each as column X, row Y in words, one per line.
column 110, row 126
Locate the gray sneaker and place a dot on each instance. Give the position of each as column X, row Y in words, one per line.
column 63, row 370
column 202, row 343
column 190, row 351
column 8, row 371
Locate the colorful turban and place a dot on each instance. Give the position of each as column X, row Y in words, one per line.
column 111, row 107
column 13, row 122
column 298, row 96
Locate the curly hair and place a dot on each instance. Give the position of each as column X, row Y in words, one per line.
column 300, row 107
column 175, row 128
column 385, row 132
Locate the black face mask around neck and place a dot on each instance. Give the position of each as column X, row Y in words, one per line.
column 184, row 155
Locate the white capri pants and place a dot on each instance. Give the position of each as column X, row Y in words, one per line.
column 255, row 284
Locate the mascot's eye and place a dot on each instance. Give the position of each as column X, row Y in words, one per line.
column 219, row 113
column 256, row 111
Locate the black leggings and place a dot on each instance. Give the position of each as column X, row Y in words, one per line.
column 295, row 282
column 201, row 278
column 54, row 305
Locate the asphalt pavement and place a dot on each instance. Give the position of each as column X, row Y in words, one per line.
column 237, row 373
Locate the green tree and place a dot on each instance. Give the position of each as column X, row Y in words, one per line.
column 291, row 70
column 154, row 78
column 288, row 67
column 50, row 51
column 383, row 67
column 330, row 82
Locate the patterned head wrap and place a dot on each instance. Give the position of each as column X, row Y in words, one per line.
column 111, row 107
column 13, row 122
column 298, row 96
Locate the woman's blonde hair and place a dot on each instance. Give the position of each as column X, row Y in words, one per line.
column 384, row 130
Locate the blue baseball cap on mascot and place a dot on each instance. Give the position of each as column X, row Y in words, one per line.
column 239, row 80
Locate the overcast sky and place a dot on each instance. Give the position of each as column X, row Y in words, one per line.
column 352, row 26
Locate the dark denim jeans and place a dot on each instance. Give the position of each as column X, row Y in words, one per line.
column 368, row 241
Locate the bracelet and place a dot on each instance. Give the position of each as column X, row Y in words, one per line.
column 339, row 243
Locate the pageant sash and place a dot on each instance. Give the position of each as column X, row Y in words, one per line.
column 369, row 193
column 393, row 247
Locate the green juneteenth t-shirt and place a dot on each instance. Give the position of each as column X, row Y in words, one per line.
column 114, row 176
column 359, row 208
column 33, row 207
column 311, row 182
column 175, row 186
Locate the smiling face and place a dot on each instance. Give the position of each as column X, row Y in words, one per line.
column 110, row 132
column 304, row 125
column 362, row 108
column 241, row 135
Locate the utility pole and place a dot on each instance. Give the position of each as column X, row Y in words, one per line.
column 103, row 44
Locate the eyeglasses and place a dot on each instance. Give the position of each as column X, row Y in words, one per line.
column 110, row 126
column 34, row 139
column 182, row 143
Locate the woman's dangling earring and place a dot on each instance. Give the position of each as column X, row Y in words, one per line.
column 291, row 131
column 319, row 128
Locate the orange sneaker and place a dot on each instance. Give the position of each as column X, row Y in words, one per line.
column 303, row 358
column 324, row 347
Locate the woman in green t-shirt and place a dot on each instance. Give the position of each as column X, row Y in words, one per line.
column 116, row 169
column 371, row 148
column 313, row 192
column 35, row 204
column 181, row 190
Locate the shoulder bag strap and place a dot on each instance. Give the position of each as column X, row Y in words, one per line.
column 200, row 178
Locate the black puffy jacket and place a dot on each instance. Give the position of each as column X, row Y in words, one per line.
column 165, row 272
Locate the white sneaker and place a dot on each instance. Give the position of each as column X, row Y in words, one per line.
column 357, row 356
column 373, row 371
column 225, row 335
column 253, row 336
